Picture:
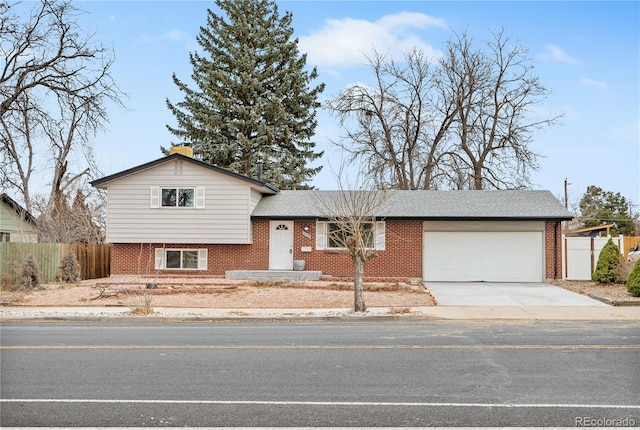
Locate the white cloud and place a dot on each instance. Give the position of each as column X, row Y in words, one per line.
column 174, row 36
column 344, row 42
column 554, row 53
column 602, row 86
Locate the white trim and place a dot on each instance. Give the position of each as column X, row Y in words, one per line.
column 200, row 198
column 321, row 235
column 159, row 260
column 380, row 237
column 202, row 259
column 155, row 197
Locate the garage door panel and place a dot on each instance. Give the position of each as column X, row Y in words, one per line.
column 484, row 256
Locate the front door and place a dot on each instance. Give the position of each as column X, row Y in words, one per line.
column 281, row 245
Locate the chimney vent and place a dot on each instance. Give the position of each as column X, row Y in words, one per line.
column 260, row 164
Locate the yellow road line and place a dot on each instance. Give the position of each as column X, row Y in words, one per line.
column 302, row 347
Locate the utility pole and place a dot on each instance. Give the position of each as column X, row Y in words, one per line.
column 566, row 199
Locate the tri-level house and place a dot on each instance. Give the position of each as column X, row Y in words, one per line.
column 180, row 215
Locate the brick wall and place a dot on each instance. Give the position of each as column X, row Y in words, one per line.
column 553, row 249
column 402, row 256
column 136, row 258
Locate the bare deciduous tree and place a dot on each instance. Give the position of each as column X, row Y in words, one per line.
column 78, row 221
column 351, row 228
column 463, row 123
column 398, row 127
column 55, row 85
column 494, row 92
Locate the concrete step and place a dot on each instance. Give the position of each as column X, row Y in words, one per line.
column 274, row 275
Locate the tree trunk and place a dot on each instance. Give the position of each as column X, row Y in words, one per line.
column 358, row 266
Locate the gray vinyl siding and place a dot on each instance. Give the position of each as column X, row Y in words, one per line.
column 224, row 219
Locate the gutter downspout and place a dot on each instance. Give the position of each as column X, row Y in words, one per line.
column 555, row 250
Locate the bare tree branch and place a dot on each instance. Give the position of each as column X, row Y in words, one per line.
column 494, row 93
column 398, row 127
column 55, row 85
column 352, row 215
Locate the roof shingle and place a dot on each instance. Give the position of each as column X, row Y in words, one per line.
column 419, row 204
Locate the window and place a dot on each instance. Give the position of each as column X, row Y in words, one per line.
column 328, row 235
column 183, row 259
column 177, row 197
column 188, row 259
column 5, row 236
column 180, row 197
column 336, row 238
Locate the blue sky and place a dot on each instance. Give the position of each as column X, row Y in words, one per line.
column 587, row 53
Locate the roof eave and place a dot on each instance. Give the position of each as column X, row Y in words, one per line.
column 22, row 212
column 261, row 186
column 281, row 217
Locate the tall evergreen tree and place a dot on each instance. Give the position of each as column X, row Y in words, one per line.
column 254, row 99
column 600, row 207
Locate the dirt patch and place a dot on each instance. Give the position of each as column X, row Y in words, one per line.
column 223, row 294
column 616, row 294
column 226, row 294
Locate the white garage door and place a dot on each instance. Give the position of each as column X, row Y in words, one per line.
column 513, row 256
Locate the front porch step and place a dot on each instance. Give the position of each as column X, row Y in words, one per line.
column 274, row 275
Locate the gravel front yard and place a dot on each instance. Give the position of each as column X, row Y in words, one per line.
column 225, row 294
column 615, row 294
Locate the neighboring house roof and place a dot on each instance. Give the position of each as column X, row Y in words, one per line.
column 420, row 204
column 258, row 184
column 22, row 212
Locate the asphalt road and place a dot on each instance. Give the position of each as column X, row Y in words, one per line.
column 320, row 374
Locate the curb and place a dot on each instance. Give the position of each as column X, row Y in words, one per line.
column 615, row 302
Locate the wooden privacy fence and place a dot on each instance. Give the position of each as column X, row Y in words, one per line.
column 94, row 260
column 630, row 242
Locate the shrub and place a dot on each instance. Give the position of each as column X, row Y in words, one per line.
column 69, row 269
column 10, row 281
column 30, row 279
column 633, row 281
column 623, row 271
column 139, row 303
column 608, row 263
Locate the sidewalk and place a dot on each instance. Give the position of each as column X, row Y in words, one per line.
column 570, row 313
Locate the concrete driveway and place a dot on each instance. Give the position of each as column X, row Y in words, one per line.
column 505, row 294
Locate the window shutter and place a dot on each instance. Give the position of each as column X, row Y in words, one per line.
column 159, row 258
column 321, row 234
column 155, row 197
column 200, row 198
column 202, row 259
column 380, row 235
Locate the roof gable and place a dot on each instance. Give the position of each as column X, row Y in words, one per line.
column 434, row 205
column 261, row 186
column 18, row 209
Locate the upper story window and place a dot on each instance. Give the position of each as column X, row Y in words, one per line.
column 5, row 236
column 178, row 197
